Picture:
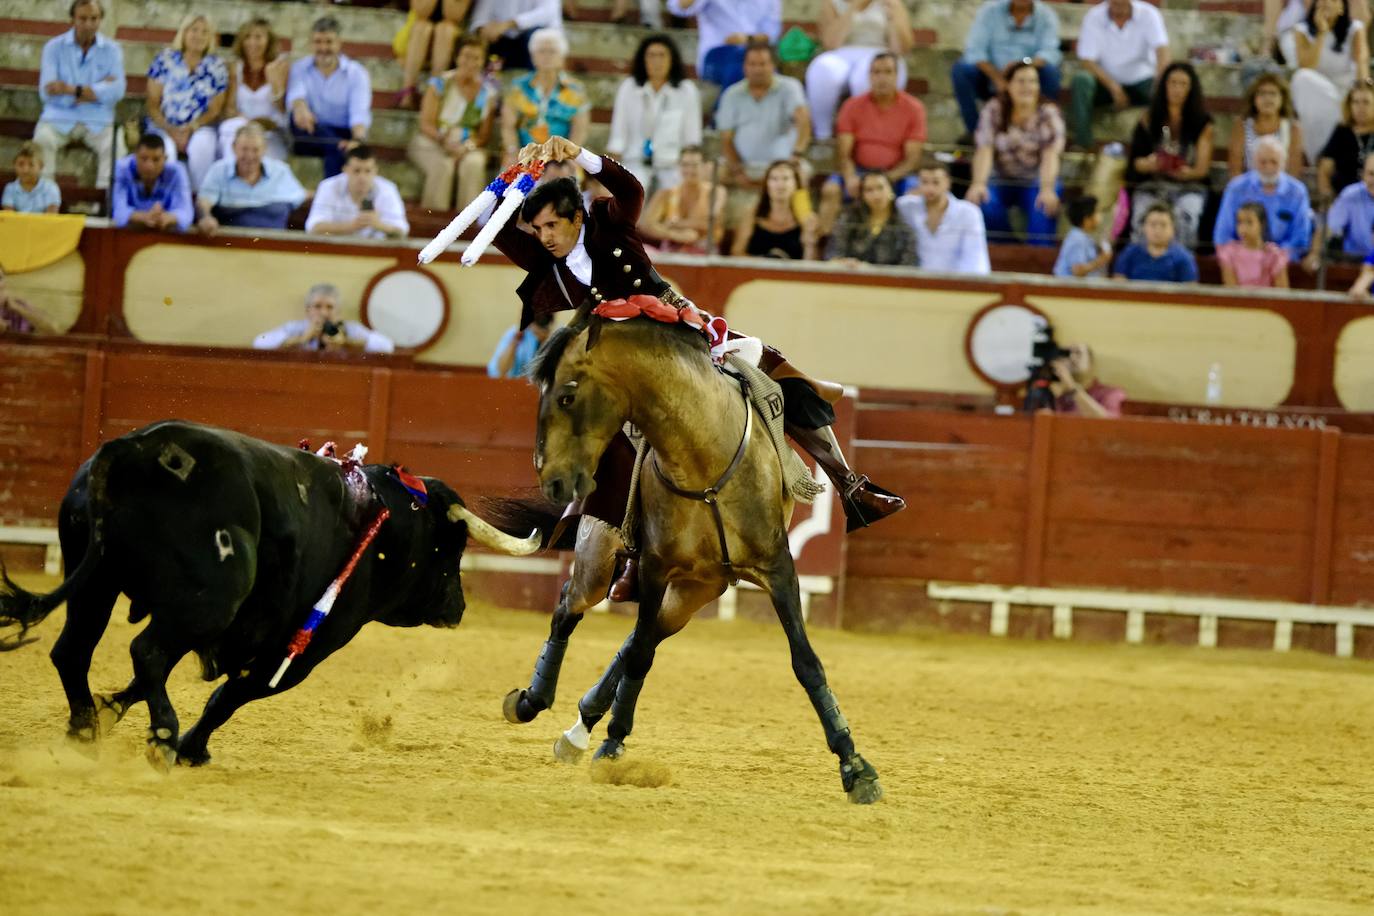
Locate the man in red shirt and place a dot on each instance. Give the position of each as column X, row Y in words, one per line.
column 881, row 130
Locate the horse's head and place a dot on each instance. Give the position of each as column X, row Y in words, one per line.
column 581, row 409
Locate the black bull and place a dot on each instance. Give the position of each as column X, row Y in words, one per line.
column 224, row 543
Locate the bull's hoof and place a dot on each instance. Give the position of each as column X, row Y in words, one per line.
column 162, row 755
column 108, row 711
column 610, row 749
column 564, row 751
column 860, row 781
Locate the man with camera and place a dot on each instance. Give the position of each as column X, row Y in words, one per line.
column 1062, row 380
column 358, row 201
column 321, row 329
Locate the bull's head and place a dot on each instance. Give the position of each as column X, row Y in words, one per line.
column 580, row 411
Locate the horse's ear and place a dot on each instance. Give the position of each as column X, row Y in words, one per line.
column 583, row 318
column 594, row 331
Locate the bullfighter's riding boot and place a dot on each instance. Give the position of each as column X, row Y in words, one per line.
column 864, row 501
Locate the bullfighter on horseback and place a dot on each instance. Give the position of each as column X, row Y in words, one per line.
column 576, row 254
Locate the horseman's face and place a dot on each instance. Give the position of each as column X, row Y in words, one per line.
column 557, row 234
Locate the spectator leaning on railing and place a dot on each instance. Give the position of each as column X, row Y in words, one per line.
column 248, row 190
column 853, row 32
column 329, row 96
column 1005, row 31
column 30, row 192
column 657, row 113
column 1157, row 257
column 151, row 191
column 950, row 237
column 871, row 231
column 80, row 81
column 1077, row 389
column 882, row 130
column 1350, row 218
column 358, row 201
column 1284, row 198
column 1122, row 47
column 1253, row 260
column 1082, row 254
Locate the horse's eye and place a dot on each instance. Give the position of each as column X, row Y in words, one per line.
column 566, row 400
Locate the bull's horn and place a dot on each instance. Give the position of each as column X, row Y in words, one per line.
column 489, row 536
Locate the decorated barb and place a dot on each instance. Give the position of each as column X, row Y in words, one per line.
column 321, row 610
column 515, row 183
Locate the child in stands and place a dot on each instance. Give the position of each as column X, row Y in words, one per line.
column 30, row 192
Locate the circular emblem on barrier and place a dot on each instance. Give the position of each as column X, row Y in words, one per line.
column 1000, row 340
column 408, row 304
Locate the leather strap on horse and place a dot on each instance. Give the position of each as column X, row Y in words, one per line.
column 710, row 494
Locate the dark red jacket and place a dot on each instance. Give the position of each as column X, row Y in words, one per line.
column 620, row 268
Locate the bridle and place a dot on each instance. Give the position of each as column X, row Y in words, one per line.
column 710, row 494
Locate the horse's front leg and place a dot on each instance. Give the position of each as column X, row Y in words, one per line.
column 859, row 779
column 597, row 543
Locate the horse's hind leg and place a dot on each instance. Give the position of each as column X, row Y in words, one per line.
column 88, row 613
column 859, row 779
column 591, row 577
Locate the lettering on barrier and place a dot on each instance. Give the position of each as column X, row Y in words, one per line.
column 1259, row 419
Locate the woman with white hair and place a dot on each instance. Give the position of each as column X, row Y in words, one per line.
column 187, row 88
column 545, row 102
column 853, row 33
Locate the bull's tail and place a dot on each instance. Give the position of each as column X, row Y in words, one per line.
column 24, row 609
column 522, row 513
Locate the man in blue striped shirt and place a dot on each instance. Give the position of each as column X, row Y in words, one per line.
column 329, row 96
column 150, row 192
column 80, row 80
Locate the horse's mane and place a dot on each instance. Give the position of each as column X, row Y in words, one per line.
column 544, row 366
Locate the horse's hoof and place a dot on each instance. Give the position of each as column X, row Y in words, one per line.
column 108, row 711
column 564, row 751
column 510, row 706
column 162, row 755
column 860, row 781
column 188, row 756
column 610, row 749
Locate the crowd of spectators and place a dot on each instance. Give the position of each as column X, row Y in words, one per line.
column 213, row 140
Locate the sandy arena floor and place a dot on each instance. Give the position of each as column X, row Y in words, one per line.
column 1021, row 777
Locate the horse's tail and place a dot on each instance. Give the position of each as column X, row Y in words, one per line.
column 22, row 608
column 523, row 512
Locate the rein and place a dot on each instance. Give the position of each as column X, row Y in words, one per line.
column 710, row 494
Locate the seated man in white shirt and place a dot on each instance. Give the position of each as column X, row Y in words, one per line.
column 358, row 201
column 950, row 236
column 322, row 329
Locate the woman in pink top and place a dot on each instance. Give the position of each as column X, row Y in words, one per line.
column 1253, row 260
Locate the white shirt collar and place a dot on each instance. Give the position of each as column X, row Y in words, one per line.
column 578, row 261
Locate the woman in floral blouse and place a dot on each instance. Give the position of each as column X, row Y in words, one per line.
column 545, row 102
column 187, row 88
column 1022, row 135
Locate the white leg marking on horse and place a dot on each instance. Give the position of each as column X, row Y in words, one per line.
column 578, row 736
column 225, row 545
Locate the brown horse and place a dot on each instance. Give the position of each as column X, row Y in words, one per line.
column 594, row 376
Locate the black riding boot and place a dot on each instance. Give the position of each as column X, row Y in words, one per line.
column 864, row 501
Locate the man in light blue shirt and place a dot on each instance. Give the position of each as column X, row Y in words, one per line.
column 150, row 192
column 1352, row 214
column 516, row 348
column 248, row 190
column 724, row 27
column 950, row 235
column 329, row 96
column 1005, row 31
column 1284, row 198
column 80, row 80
